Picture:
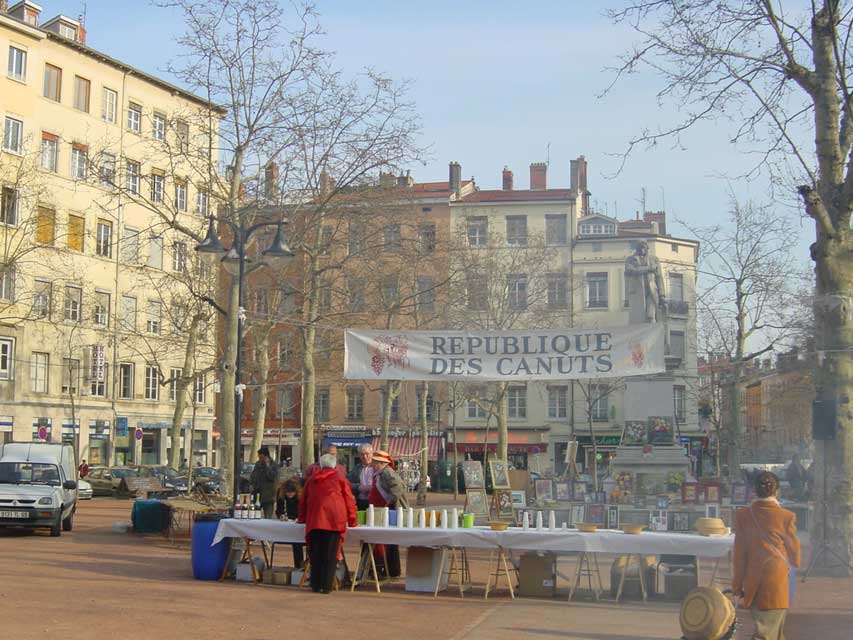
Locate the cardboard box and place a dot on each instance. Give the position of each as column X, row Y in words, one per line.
column 422, row 570
column 279, row 576
column 537, row 575
column 296, row 577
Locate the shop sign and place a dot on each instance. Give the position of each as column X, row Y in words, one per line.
column 121, row 427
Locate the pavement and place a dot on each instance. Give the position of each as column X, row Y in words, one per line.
column 95, row 583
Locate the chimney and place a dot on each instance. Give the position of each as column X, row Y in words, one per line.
column 538, row 176
column 455, row 181
column 271, row 181
column 507, row 179
column 405, row 180
column 658, row 217
column 326, row 183
column 81, row 31
column 578, row 183
column 386, row 180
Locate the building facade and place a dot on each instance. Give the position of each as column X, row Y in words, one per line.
column 93, row 317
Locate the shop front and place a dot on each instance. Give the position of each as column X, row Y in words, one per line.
column 526, row 448
column 283, row 443
column 7, row 427
column 124, row 444
column 153, row 441
column 347, row 439
column 602, row 454
column 99, row 443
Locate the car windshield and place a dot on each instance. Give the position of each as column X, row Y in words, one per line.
column 207, row 472
column 124, row 473
column 29, row 473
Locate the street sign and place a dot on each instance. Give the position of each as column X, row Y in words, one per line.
column 42, row 433
column 138, row 434
column 121, row 427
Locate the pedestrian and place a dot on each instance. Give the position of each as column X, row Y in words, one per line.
column 329, row 449
column 797, row 476
column 263, row 479
column 287, row 508
column 361, row 476
column 766, row 552
column 327, row 508
column 83, row 469
column 387, row 490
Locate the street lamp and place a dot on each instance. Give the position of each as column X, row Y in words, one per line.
column 234, row 261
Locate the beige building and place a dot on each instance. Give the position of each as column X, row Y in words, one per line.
column 92, row 322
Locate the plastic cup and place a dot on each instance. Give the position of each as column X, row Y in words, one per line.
column 467, row 520
column 361, row 517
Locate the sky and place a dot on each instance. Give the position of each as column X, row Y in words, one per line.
column 497, row 83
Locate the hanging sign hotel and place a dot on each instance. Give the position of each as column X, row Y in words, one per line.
column 504, row 355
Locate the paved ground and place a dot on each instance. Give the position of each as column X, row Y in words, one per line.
column 93, row 583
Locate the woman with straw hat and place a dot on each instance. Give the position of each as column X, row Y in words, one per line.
column 388, row 490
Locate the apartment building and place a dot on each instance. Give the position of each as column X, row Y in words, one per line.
column 92, row 314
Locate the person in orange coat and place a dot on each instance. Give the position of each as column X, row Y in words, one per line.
column 326, row 507
column 766, row 551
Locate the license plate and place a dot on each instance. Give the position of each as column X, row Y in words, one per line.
column 14, row 514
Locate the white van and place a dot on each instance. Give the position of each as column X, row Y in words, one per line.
column 38, row 486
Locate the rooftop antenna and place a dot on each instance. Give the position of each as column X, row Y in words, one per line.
column 83, row 15
column 662, row 199
column 548, row 154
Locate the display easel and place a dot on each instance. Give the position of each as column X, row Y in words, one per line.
column 570, row 471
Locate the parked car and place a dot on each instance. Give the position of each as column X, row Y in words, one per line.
column 38, row 486
column 107, row 481
column 207, row 480
column 84, row 490
column 169, row 477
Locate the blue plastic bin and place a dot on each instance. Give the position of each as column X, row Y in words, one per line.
column 208, row 560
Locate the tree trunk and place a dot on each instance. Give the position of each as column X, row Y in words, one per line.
column 502, row 449
column 263, row 349
column 392, row 391
column 227, row 397
column 594, row 448
column 181, row 386
column 309, row 372
column 422, row 412
column 734, row 435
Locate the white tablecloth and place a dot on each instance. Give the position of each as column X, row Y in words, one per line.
column 559, row 541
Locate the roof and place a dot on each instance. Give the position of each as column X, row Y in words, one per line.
column 524, row 195
column 32, row 452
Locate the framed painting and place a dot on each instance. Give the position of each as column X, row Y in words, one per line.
column 596, row 514
column 544, row 489
column 690, row 492
column 740, row 493
column 660, row 430
column 579, row 492
column 563, row 491
column 472, row 473
column 503, row 499
column 577, row 514
column 519, row 498
column 634, row 434
column 500, row 474
column 476, row 502
column 612, row 516
column 680, row 521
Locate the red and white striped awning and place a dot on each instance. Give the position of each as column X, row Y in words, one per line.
column 410, row 446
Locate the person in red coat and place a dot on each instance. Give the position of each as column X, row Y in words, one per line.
column 326, row 507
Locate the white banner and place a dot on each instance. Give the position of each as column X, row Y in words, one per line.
column 504, row 355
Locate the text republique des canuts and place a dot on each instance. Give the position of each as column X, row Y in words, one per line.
column 523, row 355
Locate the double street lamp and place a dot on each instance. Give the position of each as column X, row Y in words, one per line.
column 234, row 261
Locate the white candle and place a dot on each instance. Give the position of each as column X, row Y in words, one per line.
column 371, row 515
column 410, row 518
column 454, row 518
column 552, row 520
column 432, row 519
column 525, row 521
column 422, row 518
column 400, row 522
column 539, row 521
column 565, row 526
column 444, row 518
column 386, row 517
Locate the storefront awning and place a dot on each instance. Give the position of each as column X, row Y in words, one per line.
column 467, row 447
column 410, row 446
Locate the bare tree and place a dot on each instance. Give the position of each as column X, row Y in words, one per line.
column 780, row 76
column 595, row 396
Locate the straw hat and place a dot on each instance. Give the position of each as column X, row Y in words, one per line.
column 706, row 614
column 382, row 456
column 711, row 526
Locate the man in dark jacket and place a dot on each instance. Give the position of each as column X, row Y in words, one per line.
column 264, row 478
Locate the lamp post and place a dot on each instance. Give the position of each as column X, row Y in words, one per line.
column 234, row 261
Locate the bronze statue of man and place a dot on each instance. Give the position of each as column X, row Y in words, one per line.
column 644, row 284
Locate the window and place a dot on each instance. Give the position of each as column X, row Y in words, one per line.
column 133, row 173
column 109, row 105
column 431, row 406
column 596, row 291
column 287, row 300
column 104, row 239
column 155, row 312
column 516, row 285
column 390, row 291
column 174, row 376
column 130, row 245
column 202, row 203
column 179, row 317
column 128, row 313
column 676, row 344
column 426, row 294
column 182, row 136
column 38, row 372
column 70, row 375
column 284, row 353
column 45, row 225
column 81, row 93
column 516, row 231
column 395, row 408
column 101, row 315
column 557, row 402
column 73, row 299
column 67, row 31
column 158, row 187
column 355, row 403
column 134, row 117
column 674, row 248
column 676, row 287
column 599, row 402
column 477, row 292
column 152, row 383
column 679, row 402
column 49, row 152
column 7, row 358
column 7, row 283
column 155, row 252
column 79, row 161
column 326, row 240
column 516, row 402
column 261, row 302
column 426, row 238
column 325, row 294
column 478, row 231
column 52, row 82
column 107, row 169
column 393, row 242
column 75, row 232
column 475, row 407
column 555, row 229
column 9, row 207
column 283, row 403
column 97, row 374
column 179, row 257
column 13, row 135
column 41, row 299
column 125, row 380
column 180, row 195
column 321, row 405
column 158, row 126
column 357, row 239
column 558, row 290
column 17, row 64
column 199, row 389
column 357, row 301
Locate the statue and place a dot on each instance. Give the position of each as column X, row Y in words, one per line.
column 644, row 285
